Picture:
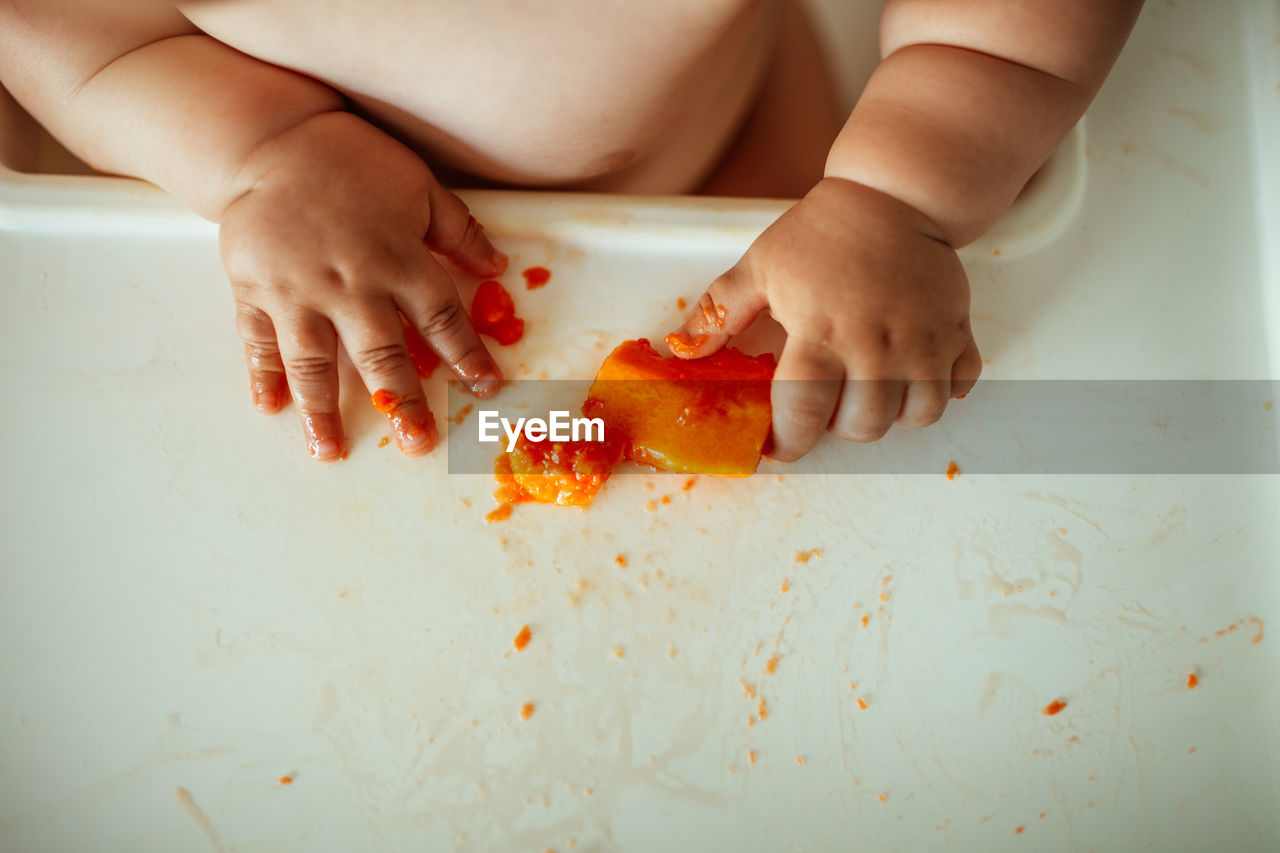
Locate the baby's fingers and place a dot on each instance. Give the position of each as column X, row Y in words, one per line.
column 374, row 339
column 308, row 350
column 267, row 382
column 804, row 392
column 454, row 233
column 436, row 312
column 965, row 372
column 729, row 305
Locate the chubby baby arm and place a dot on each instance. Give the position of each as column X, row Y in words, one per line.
column 325, row 220
column 971, row 98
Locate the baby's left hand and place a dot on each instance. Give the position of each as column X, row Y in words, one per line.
column 876, row 310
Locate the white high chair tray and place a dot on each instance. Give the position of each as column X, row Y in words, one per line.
column 192, row 610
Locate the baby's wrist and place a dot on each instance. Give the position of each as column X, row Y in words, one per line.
column 885, row 206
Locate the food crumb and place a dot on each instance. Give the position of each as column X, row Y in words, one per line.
column 771, row 665
column 681, row 304
column 286, row 780
column 862, row 703
column 952, row 470
column 522, row 638
column 800, row 760
column 881, row 797
column 806, row 556
column 535, row 277
column 785, row 586
column 1019, row 830
column 526, row 710
column 462, row 414
column 1192, row 680
column 621, row 560
column 1053, row 707
column 666, row 499
column 619, row 652
column 853, row 686
column 502, row 513
column 866, row 617
column 384, row 441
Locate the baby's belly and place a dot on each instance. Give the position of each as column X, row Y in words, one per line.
column 633, row 97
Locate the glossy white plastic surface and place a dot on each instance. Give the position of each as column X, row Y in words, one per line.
column 191, row 609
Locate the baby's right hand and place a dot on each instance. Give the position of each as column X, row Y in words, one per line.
column 331, row 243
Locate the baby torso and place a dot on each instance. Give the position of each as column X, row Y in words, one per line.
column 622, row 95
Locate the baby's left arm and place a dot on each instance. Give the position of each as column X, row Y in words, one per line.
column 971, row 98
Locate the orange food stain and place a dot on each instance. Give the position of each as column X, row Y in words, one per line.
column 1053, row 707
column 462, row 414
column 771, row 666
column 785, row 586
column 522, row 638
column 286, row 780
column 682, row 346
column 1042, row 815
column 884, row 596
column 862, row 703
column 384, row 441
column 1019, row 830
column 526, row 710
column 881, row 797
column 800, row 760
column 761, row 711
column 747, row 690
column 1192, row 680
column 962, row 396
column 651, row 505
column 866, row 618
column 619, row 652
column 502, row 513
column 493, row 313
column 535, row 277
column 806, row 556
column 385, row 401
column 713, row 316
column 952, row 470
column 666, row 499
column 853, row 686
column 621, row 560
column 688, row 484
column 751, row 757
column 1191, row 750
column 425, row 360
column 681, row 304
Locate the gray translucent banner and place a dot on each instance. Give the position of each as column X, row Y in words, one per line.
column 1001, row 427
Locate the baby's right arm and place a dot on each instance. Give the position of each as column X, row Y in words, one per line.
column 326, row 220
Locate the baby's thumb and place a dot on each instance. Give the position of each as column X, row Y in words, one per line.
column 727, row 308
column 454, row 233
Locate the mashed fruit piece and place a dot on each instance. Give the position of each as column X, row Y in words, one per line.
column 493, row 313
column 704, row 416
column 709, row 416
column 566, row 473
